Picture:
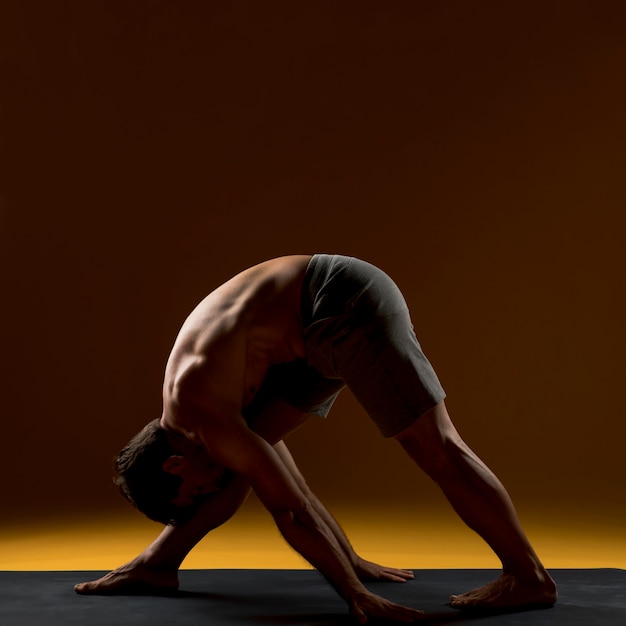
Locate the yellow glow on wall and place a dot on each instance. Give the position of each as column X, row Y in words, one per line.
column 402, row 538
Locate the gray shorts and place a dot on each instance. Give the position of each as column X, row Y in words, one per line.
column 357, row 330
column 358, row 333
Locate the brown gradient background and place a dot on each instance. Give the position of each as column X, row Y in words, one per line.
column 473, row 150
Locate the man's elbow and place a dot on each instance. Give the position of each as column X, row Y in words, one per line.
column 293, row 518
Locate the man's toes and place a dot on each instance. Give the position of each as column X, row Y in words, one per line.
column 89, row 587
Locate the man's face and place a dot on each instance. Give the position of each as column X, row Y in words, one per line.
column 200, row 476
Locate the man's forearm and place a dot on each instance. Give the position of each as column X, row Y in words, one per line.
column 310, row 535
column 321, row 510
column 336, row 529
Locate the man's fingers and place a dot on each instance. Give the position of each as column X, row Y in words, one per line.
column 377, row 607
column 359, row 615
column 408, row 614
column 401, row 614
column 397, row 575
column 391, row 577
column 396, row 579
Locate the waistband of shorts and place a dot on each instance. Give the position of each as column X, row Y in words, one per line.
column 314, row 278
column 318, row 271
column 306, row 293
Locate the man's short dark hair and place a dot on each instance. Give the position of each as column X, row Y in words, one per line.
column 140, row 476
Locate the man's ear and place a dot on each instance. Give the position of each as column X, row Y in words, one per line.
column 174, row 464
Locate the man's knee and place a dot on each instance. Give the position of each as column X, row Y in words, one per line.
column 433, row 442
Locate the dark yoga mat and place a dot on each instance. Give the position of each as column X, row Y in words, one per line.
column 593, row 597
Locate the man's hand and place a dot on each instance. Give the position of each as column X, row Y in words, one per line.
column 366, row 605
column 368, row 571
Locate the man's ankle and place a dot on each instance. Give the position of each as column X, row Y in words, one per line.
column 154, row 559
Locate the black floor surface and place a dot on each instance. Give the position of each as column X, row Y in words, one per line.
column 593, row 597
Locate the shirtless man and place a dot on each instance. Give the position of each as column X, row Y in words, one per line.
column 257, row 357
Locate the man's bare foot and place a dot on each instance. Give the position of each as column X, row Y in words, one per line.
column 133, row 578
column 508, row 592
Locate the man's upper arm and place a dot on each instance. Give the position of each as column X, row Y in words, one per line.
column 232, row 444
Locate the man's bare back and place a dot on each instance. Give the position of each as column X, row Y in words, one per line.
column 227, row 344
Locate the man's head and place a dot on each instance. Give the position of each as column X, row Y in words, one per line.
column 164, row 476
